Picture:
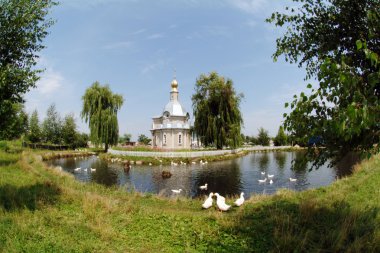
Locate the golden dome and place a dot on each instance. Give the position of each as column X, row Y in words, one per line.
column 174, row 83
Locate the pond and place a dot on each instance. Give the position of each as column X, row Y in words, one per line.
column 228, row 177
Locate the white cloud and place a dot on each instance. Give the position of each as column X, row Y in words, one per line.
column 91, row 3
column 154, row 66
column 207, row 31
column 250, row 6
column 51, row 80
column 252, row 23
column 155, row 36
column 138, row 32
column 117, row 45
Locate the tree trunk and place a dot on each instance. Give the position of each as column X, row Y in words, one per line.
column 106, row 147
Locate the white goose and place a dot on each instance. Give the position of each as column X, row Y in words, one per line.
column 220, row 202
column 262, row 180
column 270, row 176
column 203, row 187
column 263, row 173
column 292, row 179
column 220, row 197
column 177, row 191
column 271, row 181
column 77, row 169
column 240, row 200
column 93, row 170
column 208, row 201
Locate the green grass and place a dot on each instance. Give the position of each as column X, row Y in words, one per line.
column 45, row 210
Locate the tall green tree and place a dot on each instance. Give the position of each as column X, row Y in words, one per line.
column 100, row 107
column 263, row 137
column 34, row 133
column 52, row 126
column 281, row 138
column 69, row 131
column 23, row 26
column 218, row 119
column 338, row 41
column 17, row 123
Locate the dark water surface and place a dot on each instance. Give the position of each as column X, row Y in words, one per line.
column 225, row 177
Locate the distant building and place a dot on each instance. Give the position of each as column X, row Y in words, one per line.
column 171, row 130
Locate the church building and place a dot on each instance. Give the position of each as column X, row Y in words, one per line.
column 171, row 130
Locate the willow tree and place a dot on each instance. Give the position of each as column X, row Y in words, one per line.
column 218, row 119
column 100, row 107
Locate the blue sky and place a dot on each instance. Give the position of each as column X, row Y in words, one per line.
column 134, row 46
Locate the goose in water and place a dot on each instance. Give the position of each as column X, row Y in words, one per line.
column 93, row 170
column 292, row 179
column 208, row 201
column 240, row 200
column 270, row 176
column 271, row 181
column 263, row 173
column 203, row 187
column 262, row 180
column 220, row 202
column 177, row 191
column 77, row 169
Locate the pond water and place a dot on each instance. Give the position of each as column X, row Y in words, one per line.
column 225, row 177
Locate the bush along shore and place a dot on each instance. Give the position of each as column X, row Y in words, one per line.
column 47, row 210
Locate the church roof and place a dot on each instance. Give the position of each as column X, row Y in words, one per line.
column 175, row 109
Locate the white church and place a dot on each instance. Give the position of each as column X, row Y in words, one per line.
column 171, row 130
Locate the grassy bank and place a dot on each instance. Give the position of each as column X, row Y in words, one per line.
column 166, row 161
column 44, row 210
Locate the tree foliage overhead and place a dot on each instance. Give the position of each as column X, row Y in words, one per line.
column 339, row 43
column 23, row 26
column 216, row 110
column 100, row 107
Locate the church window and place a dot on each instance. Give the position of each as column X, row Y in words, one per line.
column 180, row 139
column 164, row 138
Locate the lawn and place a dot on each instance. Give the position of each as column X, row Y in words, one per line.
column 46, row 210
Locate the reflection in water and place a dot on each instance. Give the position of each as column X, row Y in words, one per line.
column 280, row 159
column 103, row 174
column 263, row 162
column 221, row 177
column 299, row 162
column 225, row 177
